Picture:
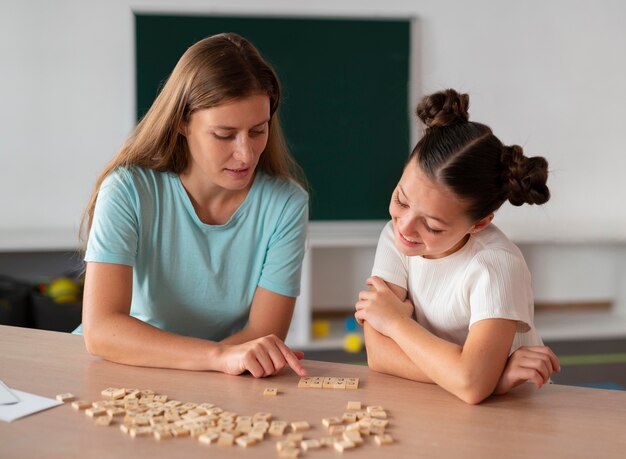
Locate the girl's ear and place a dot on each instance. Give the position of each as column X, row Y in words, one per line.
column 182, row 128
column 481, row 224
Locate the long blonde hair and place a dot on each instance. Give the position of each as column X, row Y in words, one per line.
column 213, row 71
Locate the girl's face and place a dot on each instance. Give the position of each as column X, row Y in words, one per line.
column 225, row 142
column 428, row 219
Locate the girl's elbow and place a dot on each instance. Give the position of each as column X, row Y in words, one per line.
column 473, row 396
column 474, row 389
column 373, row 362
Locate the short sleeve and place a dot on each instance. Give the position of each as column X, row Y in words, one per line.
column 389, row 264
column 113, row 237
column 499, row 287
column 283, row 262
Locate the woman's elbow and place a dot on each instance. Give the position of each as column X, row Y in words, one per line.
column 100, row 331
column 91, row 344
column 94, row 344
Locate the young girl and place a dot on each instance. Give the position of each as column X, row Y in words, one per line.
column 442, row 260
column 196, row 229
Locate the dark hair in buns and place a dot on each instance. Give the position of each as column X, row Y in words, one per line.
column 466, row 157
column 444, row 108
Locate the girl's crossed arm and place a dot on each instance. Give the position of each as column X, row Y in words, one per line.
column 472, row 372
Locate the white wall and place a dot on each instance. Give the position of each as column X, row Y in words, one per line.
column 561, row 274
column 545, row 74
column 66, row 103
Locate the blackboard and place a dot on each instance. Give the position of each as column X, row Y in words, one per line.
column 345, row 97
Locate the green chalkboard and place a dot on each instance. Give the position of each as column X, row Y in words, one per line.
column 345, row 97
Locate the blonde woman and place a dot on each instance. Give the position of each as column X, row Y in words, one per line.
column 195, row 231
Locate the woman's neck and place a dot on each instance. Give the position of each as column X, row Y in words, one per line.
column 213, row 204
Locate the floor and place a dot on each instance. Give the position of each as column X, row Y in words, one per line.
column 589, row 363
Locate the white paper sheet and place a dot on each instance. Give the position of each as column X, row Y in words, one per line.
column 7, row 397
column 28, row 404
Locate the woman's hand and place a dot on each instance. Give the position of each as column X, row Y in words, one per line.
column 380, row 306
column 528, row 363
column 262, row 357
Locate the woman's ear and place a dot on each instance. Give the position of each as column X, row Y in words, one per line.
column 481, row 224
column 182, row 128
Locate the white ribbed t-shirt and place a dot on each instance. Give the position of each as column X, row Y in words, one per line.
column 486, row 279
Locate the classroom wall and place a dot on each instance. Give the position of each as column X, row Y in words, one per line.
column 545, row 75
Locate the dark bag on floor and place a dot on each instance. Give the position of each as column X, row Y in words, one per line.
column 14, row 303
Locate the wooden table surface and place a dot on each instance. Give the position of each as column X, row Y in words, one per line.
column 554, row 422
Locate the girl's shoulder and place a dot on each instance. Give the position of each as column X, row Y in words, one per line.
column 386, row 238
column 492, row 248
column 493, row 239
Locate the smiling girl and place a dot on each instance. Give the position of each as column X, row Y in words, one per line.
column 450, row 299
column 195, row 231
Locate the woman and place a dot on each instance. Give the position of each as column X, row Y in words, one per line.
column 442, row 260
column 196, row 229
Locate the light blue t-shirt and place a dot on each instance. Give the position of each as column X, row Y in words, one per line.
column 191, row 278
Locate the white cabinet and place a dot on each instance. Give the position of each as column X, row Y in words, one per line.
column 338, row 259
column 340, row 255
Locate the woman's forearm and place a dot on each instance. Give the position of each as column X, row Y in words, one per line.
column 270, row 314
column 124, row 339
column 248, row 334
column 112, row 333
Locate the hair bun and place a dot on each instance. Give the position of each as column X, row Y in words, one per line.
column 526, row 177
column 443, row 108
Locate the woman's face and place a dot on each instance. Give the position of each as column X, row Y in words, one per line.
column 225, row 142
column 428, row 219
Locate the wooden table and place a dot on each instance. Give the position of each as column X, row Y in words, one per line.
column 556, row 421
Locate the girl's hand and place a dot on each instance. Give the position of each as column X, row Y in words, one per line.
column 262, row 357
column 528, row 363
column 380, row 306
